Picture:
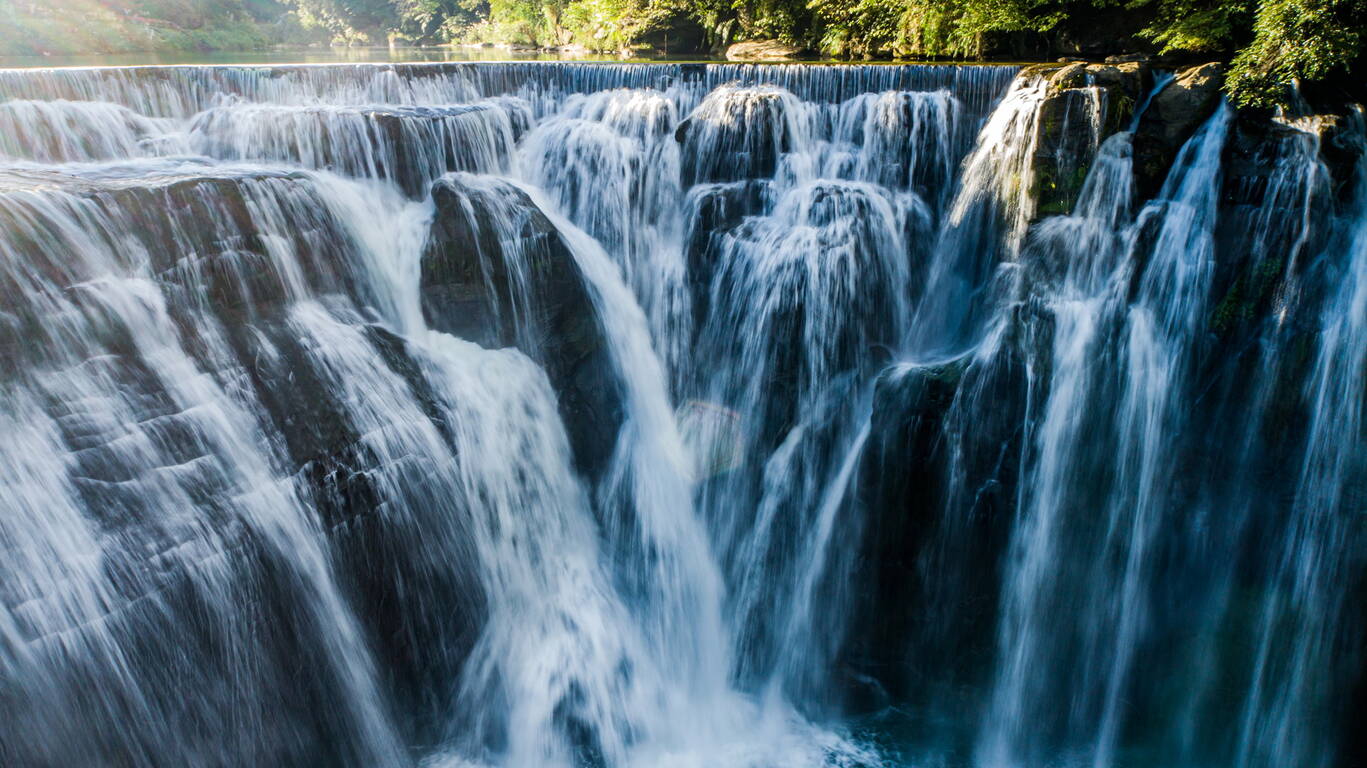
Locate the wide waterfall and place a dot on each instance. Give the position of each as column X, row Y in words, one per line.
column 679, row 415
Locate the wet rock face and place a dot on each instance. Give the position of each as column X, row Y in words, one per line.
column 1339, row 142
column 715, row 210
column 230, row 285
column 921, row 459
column 221, row 265
column 1085, row 104
column 409, row 145
column 906, row 463
column 497, row 272
column 1171, row 118
column 1273, row 173
column 736, row 134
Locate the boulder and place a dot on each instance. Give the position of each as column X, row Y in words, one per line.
column 1171, row 118
column 497, row 272
column 1125, row 80
column 736, row 133
column 765, row 50
column 1085, row 103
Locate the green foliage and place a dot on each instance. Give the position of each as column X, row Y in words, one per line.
column 786, row 20
column 351, row 20
column 607, row 24
column 860, row 27
column 48, row 27
column 1296, row 40
column 436, row 18
column 949, row 28
column 1196, row 25
column 1273, row 41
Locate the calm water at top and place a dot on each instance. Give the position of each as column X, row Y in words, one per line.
column 303, row 55
column 371, row 55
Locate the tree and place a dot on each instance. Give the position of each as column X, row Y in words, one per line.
column 1296, row 40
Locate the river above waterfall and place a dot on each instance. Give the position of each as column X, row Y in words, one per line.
column 304, row 55
column 537, row 413
column 287, row 55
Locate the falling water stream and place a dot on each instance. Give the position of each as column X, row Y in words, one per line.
column 456, row 415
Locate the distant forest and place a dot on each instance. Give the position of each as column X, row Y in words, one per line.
column 1269, row 42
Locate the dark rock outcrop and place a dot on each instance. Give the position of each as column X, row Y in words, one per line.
column 941, row 487
column 1340, row 141
column 496, row 271
column 1171, row 118
column 715, row 210
column 735, row 134
column 1085, row 104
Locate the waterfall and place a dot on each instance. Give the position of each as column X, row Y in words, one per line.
column 1315, row 543
column 986, row 220
column 541, row 414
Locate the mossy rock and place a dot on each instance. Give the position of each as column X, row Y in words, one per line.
column 1085, row 104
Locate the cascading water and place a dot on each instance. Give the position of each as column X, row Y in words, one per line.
column 675, row 415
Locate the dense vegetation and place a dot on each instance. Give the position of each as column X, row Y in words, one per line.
column 29, row 27
column 1270, row 42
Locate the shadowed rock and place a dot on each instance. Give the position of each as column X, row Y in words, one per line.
column 1171, row 118
column 496, row 271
